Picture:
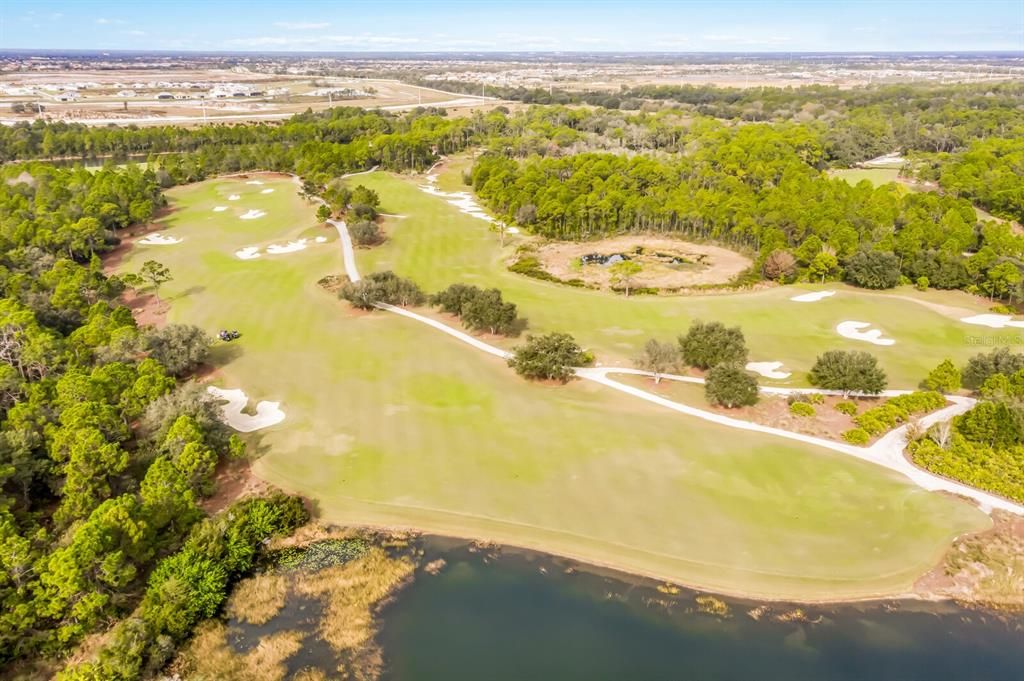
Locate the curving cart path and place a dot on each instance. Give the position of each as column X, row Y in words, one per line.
column 887, row 451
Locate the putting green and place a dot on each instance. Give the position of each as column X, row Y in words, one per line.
column 437, row 245
column 391, row 423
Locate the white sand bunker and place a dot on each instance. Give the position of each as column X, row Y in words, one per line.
column 248, row 253
column 257, row 182
column 267, row 191
column 267, row 413
column 321, row 239
column 856, row 331
column 234, row 197
column 512, row 230
column 994, row 321
column 220, row 209
column 156, row 239
column 768, row 369
column 464, row 201
column 253, row 214
column 290, row 247
column 813, row 297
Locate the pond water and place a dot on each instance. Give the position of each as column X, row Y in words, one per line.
column 519, row 615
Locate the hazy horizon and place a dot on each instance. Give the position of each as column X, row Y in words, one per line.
column 453, row 26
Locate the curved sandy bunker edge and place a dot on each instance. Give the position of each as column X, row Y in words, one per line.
column 812, row 297
column 267, row 413
column 862, row 331
column 768, row 369
column 993, row 321
column 253, row 214
column 219, row 209
column 157, row 239
column 234, row 197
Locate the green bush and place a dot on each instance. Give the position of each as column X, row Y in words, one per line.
column 801, row 409
column 896, row 410
column 997, row 470
column 848, row 408
column 730, row 385
column 857, row 436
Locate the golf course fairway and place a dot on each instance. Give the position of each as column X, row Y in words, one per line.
column 390, row 423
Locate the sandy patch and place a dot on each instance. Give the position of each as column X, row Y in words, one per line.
column 812, row 297
column 267, row 413
column 248, row 253
column 862, row 331
column 220, row 209
column 768, row 369
column 290, row 247
column 696, row 264
column 512, row 230
column 464, row 201
column 256, row 182
column 267, row 191
column 253, row 214
column 994, row 321
column 234, row 197
column 156, row 239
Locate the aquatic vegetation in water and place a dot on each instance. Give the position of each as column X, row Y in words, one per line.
column 210, row 656
column 710, row 605
column 320, row 555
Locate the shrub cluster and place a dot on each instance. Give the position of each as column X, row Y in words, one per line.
column 551, row 356
column 848, row 408
column 801, row 409
column 382, row 287
column 530, row 266
column 857, row 436
column 884, row 417
column 480, row 310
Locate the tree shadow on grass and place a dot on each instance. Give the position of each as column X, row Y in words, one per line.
column 222, row 354
column 190, row 291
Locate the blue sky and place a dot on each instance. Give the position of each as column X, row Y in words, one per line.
column 490, row 25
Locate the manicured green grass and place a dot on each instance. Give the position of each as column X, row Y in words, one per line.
column 436, row 245
column 391, row 423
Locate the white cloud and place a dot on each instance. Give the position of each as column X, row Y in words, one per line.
column 104, row 21
column 134, row 32
column 301, row 25
column 324, row 41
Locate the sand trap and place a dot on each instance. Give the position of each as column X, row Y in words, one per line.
column 267, row 191
column 156, row 239
column 253, row 214
column 768, row 369
column 267, row 413
column 994, row 321
column 220, row 209
column 856, row 331
column 234, row 197
column 813, row 297
column 248, row 253
column 321, row 239
column 464, row 201
column 290, row 247
column 512, row 230
column 257, row 182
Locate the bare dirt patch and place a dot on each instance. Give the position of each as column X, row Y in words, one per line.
column 667, row 263
column 147, row 309
column 773, row 411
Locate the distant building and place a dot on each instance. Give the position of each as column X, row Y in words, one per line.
column 164, row 95
column 126, row 93
column 68, row 96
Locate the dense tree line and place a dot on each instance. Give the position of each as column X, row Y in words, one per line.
column 104, row 458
